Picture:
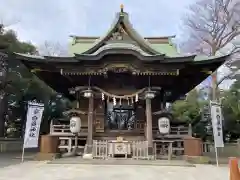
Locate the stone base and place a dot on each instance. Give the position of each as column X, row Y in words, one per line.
column 197, row 159
column 49, row 144
column 87, row 156
column 47, row 156
column 192, row 146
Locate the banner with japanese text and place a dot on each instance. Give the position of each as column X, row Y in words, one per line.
column 34, row 118
column 216, row 116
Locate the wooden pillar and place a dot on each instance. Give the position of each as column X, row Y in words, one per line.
column 90, row 125
column 149, row 126
column 3, row 100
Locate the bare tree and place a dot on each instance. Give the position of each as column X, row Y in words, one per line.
column 212, row 24
column 52, row 49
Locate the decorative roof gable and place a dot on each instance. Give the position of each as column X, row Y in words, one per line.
column 122, row 32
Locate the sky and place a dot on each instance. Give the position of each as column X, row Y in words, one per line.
column 37, row 21
column 54, row 20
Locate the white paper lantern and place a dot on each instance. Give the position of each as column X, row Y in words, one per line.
column 149, row 94
column 88, row 93
column 164, row 125
column 75, row 124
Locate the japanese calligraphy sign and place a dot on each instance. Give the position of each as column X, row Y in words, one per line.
column 34, row 117
column 216, row 116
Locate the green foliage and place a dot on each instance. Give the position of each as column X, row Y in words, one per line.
column 23, row 86
column 10, row 42
column 189, row 111
column 231, row 110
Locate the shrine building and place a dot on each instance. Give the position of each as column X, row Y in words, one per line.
column 122, row 82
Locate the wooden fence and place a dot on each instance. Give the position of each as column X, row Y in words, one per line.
column 140, row 150
column 137, row 149
column 100, row 149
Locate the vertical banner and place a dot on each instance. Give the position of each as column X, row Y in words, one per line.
column 34, row 118
column 216, row 116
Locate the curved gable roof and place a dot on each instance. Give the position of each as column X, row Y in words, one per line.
column 122, row 18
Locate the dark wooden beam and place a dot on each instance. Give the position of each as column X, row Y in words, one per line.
column 149, row 126
column 90, row 125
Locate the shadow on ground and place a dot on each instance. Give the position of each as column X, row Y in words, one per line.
column 13, row 158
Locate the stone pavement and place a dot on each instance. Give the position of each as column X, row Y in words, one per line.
column 7, row 159
column 42, row 170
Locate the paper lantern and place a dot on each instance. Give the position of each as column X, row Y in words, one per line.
column 164, row 125
column 75, row 124
column 88, row 93
column 149, row 94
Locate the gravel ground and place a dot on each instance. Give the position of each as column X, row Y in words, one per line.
column 42, row 170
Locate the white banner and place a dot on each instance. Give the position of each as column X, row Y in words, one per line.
column 34, row 118
column 216, row 116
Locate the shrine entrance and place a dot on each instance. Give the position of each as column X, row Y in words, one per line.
column 120, row 116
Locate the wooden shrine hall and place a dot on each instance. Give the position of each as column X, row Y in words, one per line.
column 122, row 82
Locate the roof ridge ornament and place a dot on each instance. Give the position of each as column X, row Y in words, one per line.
column 121, row 7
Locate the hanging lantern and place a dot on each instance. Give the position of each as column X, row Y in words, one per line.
column 136, row 98
column 114, row 101
column 72, row 91
column 88, row 93
column 103, row 96
column 164, row 125
column 149, row 94
column 75, row 124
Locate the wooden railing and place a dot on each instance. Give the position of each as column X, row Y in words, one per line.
column 174, row 131
column 64, row 130
column 100, row 149
column 67, row 144
column 140, row 150
column 11, row 144
column 207, row 147
column 179, row 130
column 168, row 148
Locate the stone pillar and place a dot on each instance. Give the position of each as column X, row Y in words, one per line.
column 149, row 126
column 90, row 125
column 3, row 98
